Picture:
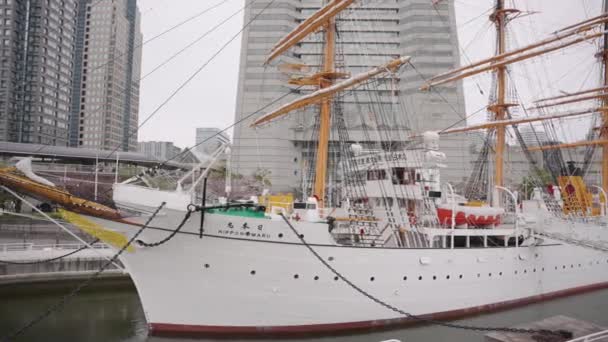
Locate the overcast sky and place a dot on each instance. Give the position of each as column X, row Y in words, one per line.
column 209, row 101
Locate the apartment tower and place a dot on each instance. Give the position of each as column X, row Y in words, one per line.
column 105, row 100
column 36, row 70
column 371, row 33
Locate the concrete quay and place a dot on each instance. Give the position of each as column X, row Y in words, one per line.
column 18, row 264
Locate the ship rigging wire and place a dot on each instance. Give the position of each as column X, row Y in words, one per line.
column 147, row 41
column 193, row 75
column 61, row 303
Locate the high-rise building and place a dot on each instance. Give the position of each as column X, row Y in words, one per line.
column 105, row 100
column 371, row 33
column 161, row 150
column 36, row 70
column 208, row 139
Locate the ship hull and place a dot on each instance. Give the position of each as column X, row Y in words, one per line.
column 268, row 283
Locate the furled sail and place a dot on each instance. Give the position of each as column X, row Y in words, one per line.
column 325, row 93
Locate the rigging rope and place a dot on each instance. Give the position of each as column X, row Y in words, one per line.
column 60, row 304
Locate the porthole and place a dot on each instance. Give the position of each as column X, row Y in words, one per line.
column 534, row 270
column 280, row 235
column 301, row 236
column 420, row 278
column 247, row 234
column 598, row 262
column 542, row 269
column 447, row 277
column 556, row 268
column 478, row 275
column 515, row 272
column 525, row 271
column 500, row 274
column 405, row 278
column 579, row 265
column 372, row 279
column 564, row 267
column 316, row 277
column 571, row 266
column 536, row 255
column 336, row 278
column 252, row 272
column 489, row 274
column 296, row 276
column 330, row 258
column 207, row 266
column 434, row 277
column 460, row 276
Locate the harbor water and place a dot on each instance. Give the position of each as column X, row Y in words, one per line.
column 112, row 315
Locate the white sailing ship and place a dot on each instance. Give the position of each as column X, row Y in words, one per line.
column 398, row 234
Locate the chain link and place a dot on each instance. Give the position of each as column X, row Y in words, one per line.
column 172, row 235
column 559, row 333
column 59, row 305
column 48, row 260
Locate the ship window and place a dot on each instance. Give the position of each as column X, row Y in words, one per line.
column 525, row 271
column 252, row 272
column 301, row 236
column 515, row 272
column 316, row 277
column 489, row 274
column 447, row 277
column 434, row 277
column 376, row 175
column 299, row 205
column 500, row 274
column 336, row 278
column 460, row 276
column 296, row 276
column 280, row 235
column 571, row 266
column 478, row 275
column 372, row 279
column 206, row 265
column 405, row 278
column 420, row 278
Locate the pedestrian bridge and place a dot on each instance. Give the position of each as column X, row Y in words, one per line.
column 85, row 156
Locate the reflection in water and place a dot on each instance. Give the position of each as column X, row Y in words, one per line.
column 105, row 316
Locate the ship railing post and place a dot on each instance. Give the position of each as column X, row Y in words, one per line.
column 453, row 225
column 514, row 198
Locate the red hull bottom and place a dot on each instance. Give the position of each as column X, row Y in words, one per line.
column 179, row 330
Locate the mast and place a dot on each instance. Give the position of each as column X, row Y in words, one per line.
column 325, row 115
column 604, row 127
column 499, row 108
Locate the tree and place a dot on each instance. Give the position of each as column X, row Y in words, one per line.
column 534, row 180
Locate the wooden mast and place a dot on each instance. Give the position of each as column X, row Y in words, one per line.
column 604, row 127
column 325, row 115
column 500, row 107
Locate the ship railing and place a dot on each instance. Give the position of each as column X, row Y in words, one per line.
column 26, row 247
column 598, row 336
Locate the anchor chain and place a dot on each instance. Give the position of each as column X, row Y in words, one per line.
column 59, row 305
column 191, row 209
column 544, row 332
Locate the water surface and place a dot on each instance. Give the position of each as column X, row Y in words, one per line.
column 116, row 316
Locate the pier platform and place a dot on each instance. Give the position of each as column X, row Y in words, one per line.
column 18, row 263
column 582, row 331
